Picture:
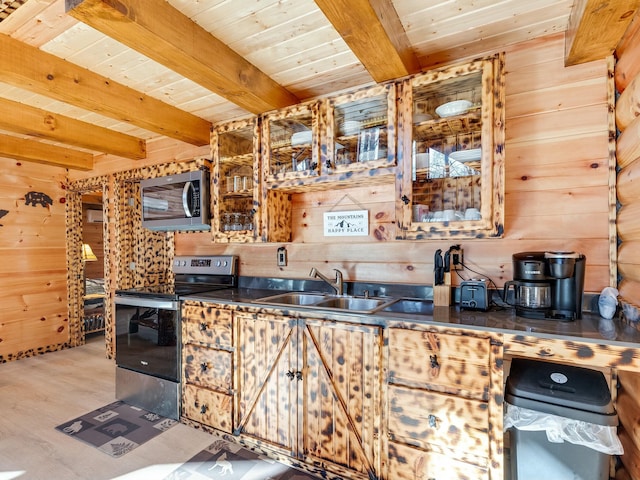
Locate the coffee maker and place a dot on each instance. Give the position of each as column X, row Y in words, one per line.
column 547, row 284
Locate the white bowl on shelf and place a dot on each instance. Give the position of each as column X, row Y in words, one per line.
column 300, row 138
column 462, row 156
column 457, row 107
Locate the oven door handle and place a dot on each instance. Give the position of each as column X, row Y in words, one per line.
column 147, row 302
column 185, row 199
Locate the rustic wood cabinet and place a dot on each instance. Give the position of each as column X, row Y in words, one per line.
column 291, row 144
column 236, row 181
column 359, row 401
column 448, row 165
column 359, row 130
column 451, row 147
column 312, row 388
column 208, row 365
column 438, row 421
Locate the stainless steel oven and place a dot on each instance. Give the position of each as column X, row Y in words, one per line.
column 148, row 332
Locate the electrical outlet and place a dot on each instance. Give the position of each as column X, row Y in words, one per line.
column 457, row 260
column 282, row 257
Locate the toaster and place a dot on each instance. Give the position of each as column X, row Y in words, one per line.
column 474, row 295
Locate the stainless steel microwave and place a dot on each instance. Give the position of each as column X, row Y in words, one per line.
column 176, row 202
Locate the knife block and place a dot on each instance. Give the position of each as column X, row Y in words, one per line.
column 442, row 295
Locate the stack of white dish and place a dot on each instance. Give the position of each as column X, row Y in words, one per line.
column 457, row 107
column 350, row 127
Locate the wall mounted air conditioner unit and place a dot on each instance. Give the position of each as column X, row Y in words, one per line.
column 94, row 216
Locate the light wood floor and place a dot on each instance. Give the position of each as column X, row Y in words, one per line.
column 39, row 393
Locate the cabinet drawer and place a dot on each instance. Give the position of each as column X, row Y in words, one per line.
column 449, row 423
column 407, row 463
column 207, row 325
column 208, row 367
column 208, row 407
column 448, row 363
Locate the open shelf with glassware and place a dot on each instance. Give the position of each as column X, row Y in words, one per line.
column 236, row 196
column 452, row 142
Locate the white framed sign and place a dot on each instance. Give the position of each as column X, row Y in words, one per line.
column 346, row 224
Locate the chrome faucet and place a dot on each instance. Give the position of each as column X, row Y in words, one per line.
column 338, row 285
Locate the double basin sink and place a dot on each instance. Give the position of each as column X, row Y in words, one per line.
column 352, row 304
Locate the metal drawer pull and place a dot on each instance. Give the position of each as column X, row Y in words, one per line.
column 434, row 361
column 433, row 421
column 204, row 366
column 203, row 327
column 297, row 375
column 203, row 408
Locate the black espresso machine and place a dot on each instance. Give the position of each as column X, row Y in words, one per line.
column 547, row 285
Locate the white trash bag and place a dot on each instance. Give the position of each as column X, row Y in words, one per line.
column 602, row 438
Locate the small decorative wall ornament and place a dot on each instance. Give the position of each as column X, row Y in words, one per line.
column 37, row 198
column 350, row 223
column 2, row 214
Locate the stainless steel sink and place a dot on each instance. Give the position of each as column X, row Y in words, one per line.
column 354, row 304
column 416, row 306
column 293, row 298
column 322, row 301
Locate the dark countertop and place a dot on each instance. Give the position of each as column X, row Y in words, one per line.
column 590, row 329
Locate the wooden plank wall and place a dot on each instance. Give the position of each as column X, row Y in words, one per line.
column 557, row 190
column 628, row 152
column 33, row 270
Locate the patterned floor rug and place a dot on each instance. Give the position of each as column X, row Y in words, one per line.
column 116, row 428
column 229, row 461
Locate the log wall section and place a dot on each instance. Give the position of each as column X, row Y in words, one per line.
column 557, row 187
column 628, row 155
column 33, row 271
column 627, row 82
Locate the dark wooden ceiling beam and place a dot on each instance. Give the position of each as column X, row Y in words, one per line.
column 29, row 68
column 24, row 119
column 164, row 34
column 595, row 28
column 374, row 33
column 39, row 152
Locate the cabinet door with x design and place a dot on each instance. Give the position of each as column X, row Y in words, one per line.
column 312, row 388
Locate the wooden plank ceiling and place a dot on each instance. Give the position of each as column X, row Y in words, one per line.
column 129, row 72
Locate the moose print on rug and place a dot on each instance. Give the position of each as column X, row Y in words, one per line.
column 116, row 428
column 37, row 198
column 224, row 464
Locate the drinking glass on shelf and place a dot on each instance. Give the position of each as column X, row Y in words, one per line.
column 237, row 224
column 226, row 222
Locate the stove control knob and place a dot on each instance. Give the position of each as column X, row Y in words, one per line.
column 225, row 263
column 218, row 263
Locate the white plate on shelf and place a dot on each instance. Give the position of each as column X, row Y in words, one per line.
column 462, row 156
column 457, row 107
column 301, row 138
column 349, row 128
